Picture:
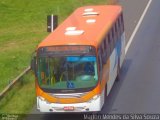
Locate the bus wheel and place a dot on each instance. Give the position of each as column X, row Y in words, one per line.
column 118, row 73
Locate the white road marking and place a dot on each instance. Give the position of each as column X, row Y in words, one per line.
column 137, row 26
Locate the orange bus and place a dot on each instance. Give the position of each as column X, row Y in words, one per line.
column 77, row 64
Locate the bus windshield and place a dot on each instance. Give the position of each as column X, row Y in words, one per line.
column 67, row 72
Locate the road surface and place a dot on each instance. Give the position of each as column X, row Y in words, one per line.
column 138, row 90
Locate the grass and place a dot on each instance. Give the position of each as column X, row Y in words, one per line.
column 21, row 98
column 22, row 27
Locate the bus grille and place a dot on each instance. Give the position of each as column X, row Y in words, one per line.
column 73, row 95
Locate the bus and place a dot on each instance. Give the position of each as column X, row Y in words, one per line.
column 77, row 64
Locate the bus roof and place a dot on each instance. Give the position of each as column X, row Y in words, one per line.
column 85, row 26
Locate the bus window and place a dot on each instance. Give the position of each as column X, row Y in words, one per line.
column 100, row 64
column 112, row 41
column 119, row 25
column 122, row 22
column 116, row 32
column 105, row 43
column 102, row 48
column 107, row 47
column 104, row 51
column 117, row 29
column 68, row 72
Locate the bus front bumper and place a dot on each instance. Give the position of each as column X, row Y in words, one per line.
column 92, row 105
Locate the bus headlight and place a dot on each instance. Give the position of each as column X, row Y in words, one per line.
column 94, row 98
column 43, row 100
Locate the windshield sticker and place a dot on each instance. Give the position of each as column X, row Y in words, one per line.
column 70, row 85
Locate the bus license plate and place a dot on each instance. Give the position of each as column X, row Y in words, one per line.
column 68, row 108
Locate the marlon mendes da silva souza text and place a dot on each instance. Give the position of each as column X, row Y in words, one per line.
column 121, row 116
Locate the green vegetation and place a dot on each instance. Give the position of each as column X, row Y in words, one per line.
column 22, row 27
column 20, row 99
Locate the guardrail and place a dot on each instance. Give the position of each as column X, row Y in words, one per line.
column 13, row 82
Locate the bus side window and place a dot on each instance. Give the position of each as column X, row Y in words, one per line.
column 114, row 35
column 107, row 46
column 117, row 29
column 104, row 51
column 112, row 41
column 100, row 63
column 122, row 22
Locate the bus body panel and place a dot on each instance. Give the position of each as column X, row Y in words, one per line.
column 117, row 56
column 113, row 70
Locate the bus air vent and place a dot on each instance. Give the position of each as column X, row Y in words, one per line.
column 70, row 28
column 90, row 21
column 72, row 31
column 88, row 10
column 90, row 14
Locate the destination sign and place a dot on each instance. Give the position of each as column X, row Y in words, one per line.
column 66, row 49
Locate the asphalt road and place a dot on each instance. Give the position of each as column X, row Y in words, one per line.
column 132, row 11
column 137, row 91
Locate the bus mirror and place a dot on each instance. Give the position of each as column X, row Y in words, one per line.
column 52, row 22
column 34, row 64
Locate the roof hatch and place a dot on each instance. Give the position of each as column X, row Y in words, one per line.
column 90, row 12
column 91, row 21
column 71, row 31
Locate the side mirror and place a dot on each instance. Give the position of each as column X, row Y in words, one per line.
column 34, row 64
